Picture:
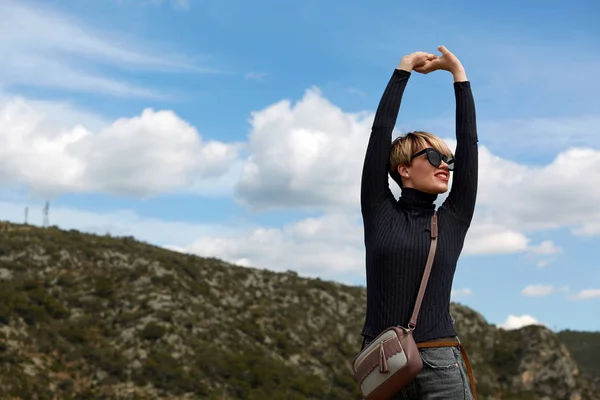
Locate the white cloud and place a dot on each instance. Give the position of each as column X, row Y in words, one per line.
column 145, row 155
column 489, row 237
column 306, row 154
column 586, row 294
column 542, row 290
column 44, row 47
column 516, row 322
column 457, row 293
column 565, row 192
column 176, row 248
column 329, row 246
column 59, row 113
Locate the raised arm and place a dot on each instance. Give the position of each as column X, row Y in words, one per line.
column 374, row 181
column 462, row 197
column 463, row 194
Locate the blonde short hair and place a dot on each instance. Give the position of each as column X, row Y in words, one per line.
column 403, row 147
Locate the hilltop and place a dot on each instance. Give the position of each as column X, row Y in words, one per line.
column 97, row 317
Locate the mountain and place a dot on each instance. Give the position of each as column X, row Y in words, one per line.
column 585, row 349
column 97, row 317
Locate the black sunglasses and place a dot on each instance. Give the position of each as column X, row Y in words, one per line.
column 435, row 158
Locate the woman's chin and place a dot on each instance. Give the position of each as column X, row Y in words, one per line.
column 439, row 187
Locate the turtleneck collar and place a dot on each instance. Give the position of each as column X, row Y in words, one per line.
column 414, row 198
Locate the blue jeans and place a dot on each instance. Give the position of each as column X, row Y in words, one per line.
column 444, row 377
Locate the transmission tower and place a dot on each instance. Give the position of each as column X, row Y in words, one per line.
column 46, row 214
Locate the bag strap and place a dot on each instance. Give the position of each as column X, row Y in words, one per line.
column 434, row 236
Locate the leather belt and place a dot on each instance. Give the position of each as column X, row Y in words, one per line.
column 463, row 352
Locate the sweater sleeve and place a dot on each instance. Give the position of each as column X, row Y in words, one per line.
column 462, row 196
column 374, row 182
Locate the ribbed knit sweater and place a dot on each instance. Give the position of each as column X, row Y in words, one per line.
column 397, row 232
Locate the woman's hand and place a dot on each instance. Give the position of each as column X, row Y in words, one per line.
column 447, row 62
column 415, row 60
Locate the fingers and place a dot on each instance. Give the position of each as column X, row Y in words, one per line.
column 424, row 57
column 423, row 54
column 423, row 69
column 416, row 59
column 443, row 50
column 429, row 66
column 419, row 62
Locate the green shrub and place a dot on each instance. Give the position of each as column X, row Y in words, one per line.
column 152, row 331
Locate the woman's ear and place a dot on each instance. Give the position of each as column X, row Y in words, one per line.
column 403, row 171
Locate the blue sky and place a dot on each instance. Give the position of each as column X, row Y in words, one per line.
column 237, row 130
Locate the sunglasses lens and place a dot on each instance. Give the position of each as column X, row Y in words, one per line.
column 434, row 158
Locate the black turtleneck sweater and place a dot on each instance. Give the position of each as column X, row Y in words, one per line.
column 397, row 231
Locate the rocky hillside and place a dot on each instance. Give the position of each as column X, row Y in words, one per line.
column 585, row 349
column 95, row 317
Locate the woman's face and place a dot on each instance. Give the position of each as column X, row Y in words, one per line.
column 424, row 176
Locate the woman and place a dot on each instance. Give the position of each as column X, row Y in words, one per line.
column 397, row 236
